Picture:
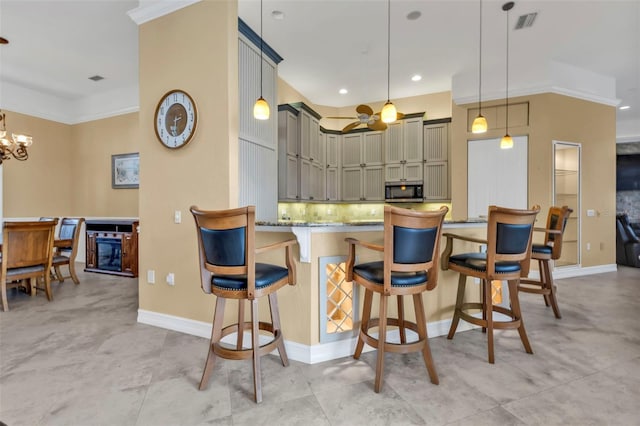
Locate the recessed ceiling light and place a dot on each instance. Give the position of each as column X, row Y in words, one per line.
column 277, row 14
column 625, row 107
column 343, row 91
column 416, row 77
column 412, row 16
column 96, row 78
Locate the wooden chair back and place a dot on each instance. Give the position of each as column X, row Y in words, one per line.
column 226, row 241
column 27, row 243
column 70, row 230
column 412, row 242
column 557, row 221
column 509, row 237
column 27, row 252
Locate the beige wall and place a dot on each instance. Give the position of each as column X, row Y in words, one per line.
column 561, row 118
column 93, row 145
column 68, row 172
column 196, row 50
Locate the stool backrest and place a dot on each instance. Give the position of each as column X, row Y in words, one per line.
column 412, row 241
column 226, row 243
column 509, row 236
column 556, row 220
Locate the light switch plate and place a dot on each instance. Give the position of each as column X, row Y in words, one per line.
column 177, row 216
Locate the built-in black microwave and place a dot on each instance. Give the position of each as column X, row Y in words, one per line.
column 403, row 192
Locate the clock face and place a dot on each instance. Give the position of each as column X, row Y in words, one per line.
column 176, row 119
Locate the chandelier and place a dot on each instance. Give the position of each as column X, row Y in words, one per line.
column 15, row 147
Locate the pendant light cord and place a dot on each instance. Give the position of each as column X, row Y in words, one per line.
column 507, row 85
column 480, row 66
column 261, row 48
column 388, row 49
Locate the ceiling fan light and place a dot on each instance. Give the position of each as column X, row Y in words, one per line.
column 506, row 142
column 261, row 109
column 389, row 113
column 479, row 124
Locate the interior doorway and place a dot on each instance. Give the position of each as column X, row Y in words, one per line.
column 566, row 191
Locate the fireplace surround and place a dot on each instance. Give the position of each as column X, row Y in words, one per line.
column 112, row 247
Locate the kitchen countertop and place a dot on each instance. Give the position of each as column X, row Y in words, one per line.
column 303, row 230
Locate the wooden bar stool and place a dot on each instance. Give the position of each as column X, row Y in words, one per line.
column 544, row 253
column 226, row 243
column 409, row 267
column 509, row 233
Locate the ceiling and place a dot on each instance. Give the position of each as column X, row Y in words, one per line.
column 56, row 45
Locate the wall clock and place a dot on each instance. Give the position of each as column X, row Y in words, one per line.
column 176, row 119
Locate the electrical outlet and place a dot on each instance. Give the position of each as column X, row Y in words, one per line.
column 591, row 213
column 171, row 278
column 588, row 246
column 177, row 216
column 151, row 276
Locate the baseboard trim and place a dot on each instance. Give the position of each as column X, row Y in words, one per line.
column 576, row 271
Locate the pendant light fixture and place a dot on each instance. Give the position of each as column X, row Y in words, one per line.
column 507, row 141
column 480, row 123
column 261, row 107
column 389, row 114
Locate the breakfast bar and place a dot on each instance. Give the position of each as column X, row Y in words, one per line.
column 320, row 313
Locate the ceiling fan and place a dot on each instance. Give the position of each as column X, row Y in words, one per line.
column 366, row 117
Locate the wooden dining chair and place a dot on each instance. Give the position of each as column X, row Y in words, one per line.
column 550, row 250
column 27, row 253
column 228, row 269
column 64, row 254
column 409, row 267
column 508, row 255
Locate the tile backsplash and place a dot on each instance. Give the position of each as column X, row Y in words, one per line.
column 343, row 212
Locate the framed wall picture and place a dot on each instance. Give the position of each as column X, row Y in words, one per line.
column 125, row 170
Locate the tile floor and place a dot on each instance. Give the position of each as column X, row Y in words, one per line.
column 83, row 360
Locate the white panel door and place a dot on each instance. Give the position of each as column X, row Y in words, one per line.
column 496, row 176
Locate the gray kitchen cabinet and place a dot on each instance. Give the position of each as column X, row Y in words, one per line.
column 403, row 150
column 288, row 144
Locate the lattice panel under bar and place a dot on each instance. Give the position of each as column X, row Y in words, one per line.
column 340, row 296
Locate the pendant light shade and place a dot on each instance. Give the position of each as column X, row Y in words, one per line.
column 389, row 114
column 507, row 141
column 480, row 123
column 261, row 107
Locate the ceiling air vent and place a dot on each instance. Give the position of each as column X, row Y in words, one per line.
column 525, row 21
column 96, row 78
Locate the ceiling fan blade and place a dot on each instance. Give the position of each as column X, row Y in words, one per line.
column 342, row 118
column 378, row 125
column 399, row 116
column 351, row 126
column 364, row 109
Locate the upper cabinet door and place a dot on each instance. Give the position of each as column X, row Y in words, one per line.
column 412, row 140
column 332, row 149
column 315, row 148
column 305, row 139
column 393, row 143
column 436, row 141
column 352, row 150
column 373, row 149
